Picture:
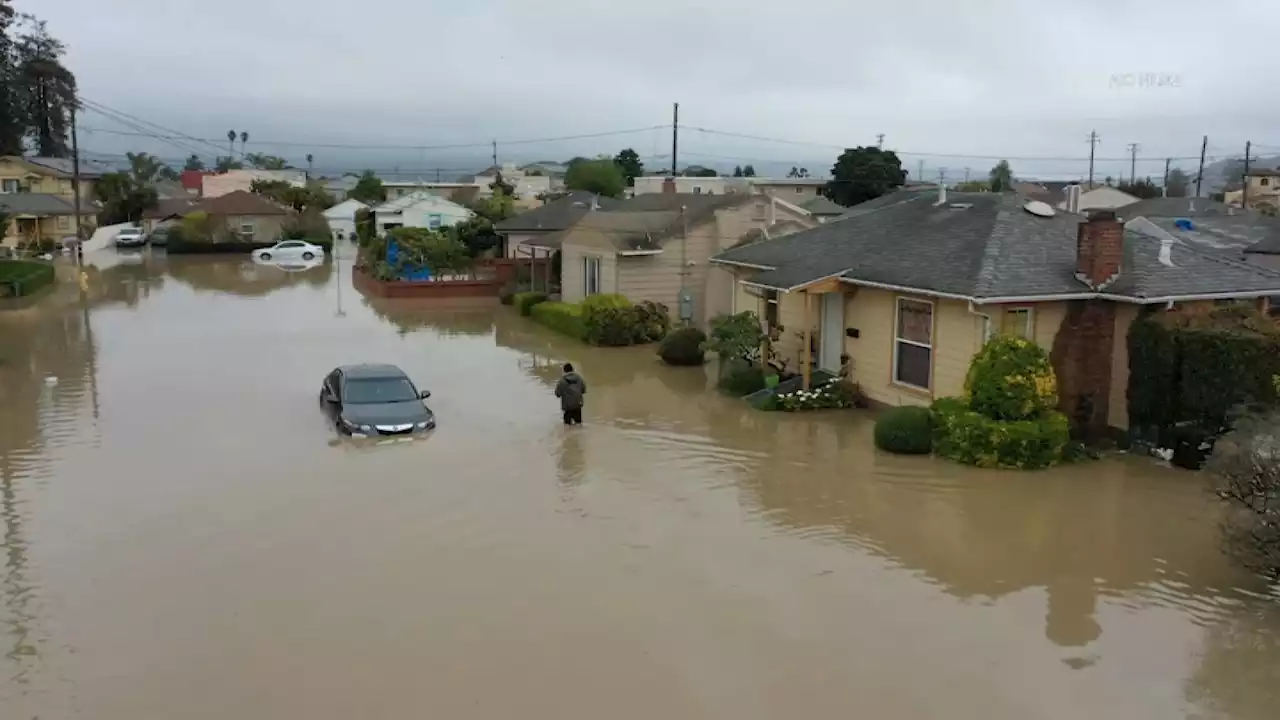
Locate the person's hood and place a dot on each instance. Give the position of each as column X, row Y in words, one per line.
column 396, row 413
column 573, row 377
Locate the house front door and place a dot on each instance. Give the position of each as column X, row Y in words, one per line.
column 831, row 335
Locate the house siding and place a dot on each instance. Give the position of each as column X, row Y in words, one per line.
column 513, row 241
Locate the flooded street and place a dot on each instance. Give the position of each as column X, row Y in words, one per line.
column 184, row 537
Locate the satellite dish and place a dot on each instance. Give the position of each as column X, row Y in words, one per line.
column 1038, row 208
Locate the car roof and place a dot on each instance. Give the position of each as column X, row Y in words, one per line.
column 372, row 370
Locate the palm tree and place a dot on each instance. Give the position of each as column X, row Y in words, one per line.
column 310, row 157
column 244, row 139
column 231, row 143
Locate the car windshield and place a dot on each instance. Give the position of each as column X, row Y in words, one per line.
column 379, row 390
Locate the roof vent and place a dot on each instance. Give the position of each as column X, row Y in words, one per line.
column 1038, row 208
column 961, row 206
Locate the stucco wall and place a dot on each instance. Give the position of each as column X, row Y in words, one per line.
column 1118, row 413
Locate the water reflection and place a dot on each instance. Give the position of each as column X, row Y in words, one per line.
column 244, row 277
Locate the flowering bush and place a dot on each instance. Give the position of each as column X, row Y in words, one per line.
column 829, row 395
column 1011, row 379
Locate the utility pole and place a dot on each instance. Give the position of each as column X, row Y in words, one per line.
column 1244, row 181
column 1133, row 162
column 675, row 137
column 1204, row 145
column 880, row 140
column 437, row 174
column 1166, row 177
column 686, row 298
column 495, row 153
column 75, row 180
column 1093, row 144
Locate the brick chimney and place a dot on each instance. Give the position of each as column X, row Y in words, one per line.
column 1099, row 249
column 669, row 186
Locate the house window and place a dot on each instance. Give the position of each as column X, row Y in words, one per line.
column 1016, row 321
column 433, row 221
column 1265, row 181
column 64, row 222
column 913, row 343
column 590, row 275
column 799, row 189
column 247, row 228
column 697, row 189
column 10, row 187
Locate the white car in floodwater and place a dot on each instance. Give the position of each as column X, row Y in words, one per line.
column 290, row 250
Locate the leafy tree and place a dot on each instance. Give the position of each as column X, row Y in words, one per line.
column 629, row 161
column 864, row 173
column 226, row 164
column 194, row 163
column 748, row 171
column 244, row 140
column 798, row 172
column 602, row 177
column 973, row 186
column 1246, row 470
column 47, row 87
column 1142, row 189
column 495, row 208
column 310, row 159
column 124, row 198
column 1178, row 183
column 369, row 189
column 737, row 170
column 500, row 186
column 262, row 161
column 1109, row 181
column 476, row 235
column 12, row 111
column 736, row 337
column 700, row 171
column 307, row 197
column 146, row 169
column 1001, row 177
column 440, row 252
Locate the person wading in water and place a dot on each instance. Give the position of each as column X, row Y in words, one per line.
column 570, row 390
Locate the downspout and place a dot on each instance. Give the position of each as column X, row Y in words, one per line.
column 973, row 311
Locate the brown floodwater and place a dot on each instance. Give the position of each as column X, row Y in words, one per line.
column 183, row 536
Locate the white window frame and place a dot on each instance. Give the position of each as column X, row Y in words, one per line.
column 1031, row 319
column 8, row 183
column 64, row 222
column 435, row 221
column 253, row 228
column 897, row 323
column 590, row 273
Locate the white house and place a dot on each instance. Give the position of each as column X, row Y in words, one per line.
column 421, row 209
column 342, row 218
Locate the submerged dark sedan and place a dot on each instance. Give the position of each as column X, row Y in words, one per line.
column 375, row 400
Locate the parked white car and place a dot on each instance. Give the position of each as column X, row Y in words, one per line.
column 290, row 250
column 131, row 237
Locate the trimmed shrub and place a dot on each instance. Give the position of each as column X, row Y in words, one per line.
column 683, row 347
column 1011, row 379
column 562, row 317
column 906, row 430
column 741, row 378
column 604, row 300
column 612, row 321
column 653, row 322
column 970, row 437
column 524, row 301
column 19, row 278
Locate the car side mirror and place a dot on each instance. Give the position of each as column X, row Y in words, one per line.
column 424, row 394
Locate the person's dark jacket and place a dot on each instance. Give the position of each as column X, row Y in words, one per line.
column 570, row 390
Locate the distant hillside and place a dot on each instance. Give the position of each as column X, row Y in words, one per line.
column 1218, row 174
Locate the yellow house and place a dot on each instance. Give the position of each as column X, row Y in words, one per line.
column 38, row 195
column 1264, row 190
column 903, row 291
column 653, row 246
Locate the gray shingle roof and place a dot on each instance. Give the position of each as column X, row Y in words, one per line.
column 1173, row 208
column 990, row 249
column 555, row 215
column 42, row 204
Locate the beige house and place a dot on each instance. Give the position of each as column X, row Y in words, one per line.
column 252, row 217
column 651, row 246
column 1264, row 190
column 903, row 291
column 38, row 195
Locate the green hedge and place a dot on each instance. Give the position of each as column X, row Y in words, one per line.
column 1194, row 369
column 1011, row 379
column 562, row 317
column 524, row 301
column 906, row 430
column 683, row 347
column 20, row 278
column 967, row 436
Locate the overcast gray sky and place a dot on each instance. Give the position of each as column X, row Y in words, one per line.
column 984, row 77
